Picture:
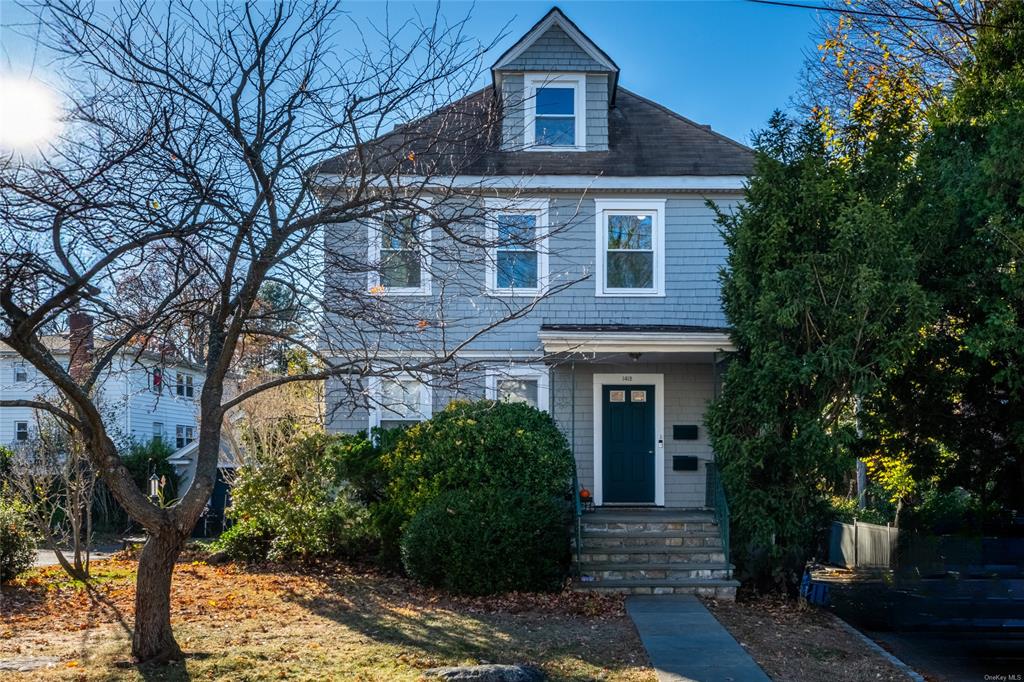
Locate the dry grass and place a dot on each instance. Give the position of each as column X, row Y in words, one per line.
column 794, row 642
column 335, row 623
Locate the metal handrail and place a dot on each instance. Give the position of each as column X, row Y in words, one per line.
column 579, row 513
column 715, row 498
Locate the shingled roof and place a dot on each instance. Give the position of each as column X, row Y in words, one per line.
column 644, row 139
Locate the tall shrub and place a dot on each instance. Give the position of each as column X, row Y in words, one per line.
column 822, row 300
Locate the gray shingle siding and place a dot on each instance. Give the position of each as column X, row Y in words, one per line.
column 554, row 51
column 597, row 113
column 513, row 117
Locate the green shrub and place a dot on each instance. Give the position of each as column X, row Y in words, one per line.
column 295, row 504
column 484, row 541
column 246, row 540
column 17, row 543
column 470, row 446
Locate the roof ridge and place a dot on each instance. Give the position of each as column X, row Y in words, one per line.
column 675, row 114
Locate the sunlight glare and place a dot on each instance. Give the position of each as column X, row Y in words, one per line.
column 29, row 114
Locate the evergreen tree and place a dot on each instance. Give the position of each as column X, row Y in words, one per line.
column 821, row 293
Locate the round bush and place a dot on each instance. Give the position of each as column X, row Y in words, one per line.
column 486, row 541
column 17, row 544
column 469, row 446
column 247, row 540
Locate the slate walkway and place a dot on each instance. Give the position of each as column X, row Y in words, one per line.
column 687, row 644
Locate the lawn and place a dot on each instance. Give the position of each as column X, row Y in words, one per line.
column 335, row 622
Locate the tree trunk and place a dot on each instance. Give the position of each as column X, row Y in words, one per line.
column 153, row 640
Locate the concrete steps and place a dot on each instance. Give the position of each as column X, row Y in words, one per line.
column 647, row 551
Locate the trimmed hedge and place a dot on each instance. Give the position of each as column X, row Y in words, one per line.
column 471, row 446
column 484, row 541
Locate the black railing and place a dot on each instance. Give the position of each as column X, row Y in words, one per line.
column 714, row 497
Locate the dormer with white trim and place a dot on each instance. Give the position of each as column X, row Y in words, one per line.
column 556, row 88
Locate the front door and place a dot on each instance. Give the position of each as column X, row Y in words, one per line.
column 628, row 444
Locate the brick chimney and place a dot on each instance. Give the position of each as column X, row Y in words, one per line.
column 80, row 344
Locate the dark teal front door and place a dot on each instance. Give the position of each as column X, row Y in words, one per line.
column 627, row 449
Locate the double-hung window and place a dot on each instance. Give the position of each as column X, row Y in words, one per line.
column 158, row 432
column 526, row 384
column 555, row 111
column 20, row 372
column 21, row 431
column 631, row 248
column 183, row 435
column 399, row 401
column 184, row 386
column 517, row 259
column 397, row 246
column 156, row 380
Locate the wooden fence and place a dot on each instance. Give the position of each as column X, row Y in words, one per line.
column 862, row 545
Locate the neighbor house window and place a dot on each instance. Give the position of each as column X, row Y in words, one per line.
column 20, row 372
column 399, row 402
column 519, row 385
column 158, row 432
column 184, row 386
column 630, row 236
column 397, row 248
column 21, row 431
column 183, row 435
column 517, row 236
column 156, row 380
column 555, row 112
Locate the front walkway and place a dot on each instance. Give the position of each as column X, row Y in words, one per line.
column 687, row 644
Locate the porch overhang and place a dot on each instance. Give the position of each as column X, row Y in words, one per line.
column 557, row 338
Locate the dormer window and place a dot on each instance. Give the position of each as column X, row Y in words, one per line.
column 555, row 110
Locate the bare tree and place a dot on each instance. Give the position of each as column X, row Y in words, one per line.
column 186, row 181
column 53, row 477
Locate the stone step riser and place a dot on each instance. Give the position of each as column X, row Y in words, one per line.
column 695, row 527
column 635, row 541
column 721, row 593
column 659, row 574
column 653, row 558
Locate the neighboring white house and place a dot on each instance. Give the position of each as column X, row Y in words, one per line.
column 144, row 395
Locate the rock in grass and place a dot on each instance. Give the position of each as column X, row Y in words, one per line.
column 219, row 557
column 488, row 673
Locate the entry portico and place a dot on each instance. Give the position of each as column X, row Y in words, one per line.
column 632, row 398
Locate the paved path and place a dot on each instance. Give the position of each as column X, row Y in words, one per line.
column 47, row 557
column 687, row 644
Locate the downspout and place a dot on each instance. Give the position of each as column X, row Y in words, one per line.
column 575, row 474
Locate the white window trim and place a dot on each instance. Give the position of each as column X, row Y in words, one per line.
column 601, row 209
column 538, row 372
column 375, row 231
column 26, row 431
column 20, row 368
column 426, row 409
column 658, row 380
column 578, row 82
column 538, row 207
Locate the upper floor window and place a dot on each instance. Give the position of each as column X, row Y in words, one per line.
column 158, row 432
column 184, row 386
column 631, row 249
column 517, row 261
column 20, row 372
column 156, row 380
column 399, row 402
column 396, row 247
column 21, row 431
column 519, row 385
column 555, row 112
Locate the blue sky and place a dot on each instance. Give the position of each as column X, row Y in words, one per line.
column 726, row 63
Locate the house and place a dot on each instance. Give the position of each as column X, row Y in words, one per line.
column 146, row 395
column 624, row 336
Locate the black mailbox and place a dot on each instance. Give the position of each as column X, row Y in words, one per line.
column 684, row 432
column 682, row 463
